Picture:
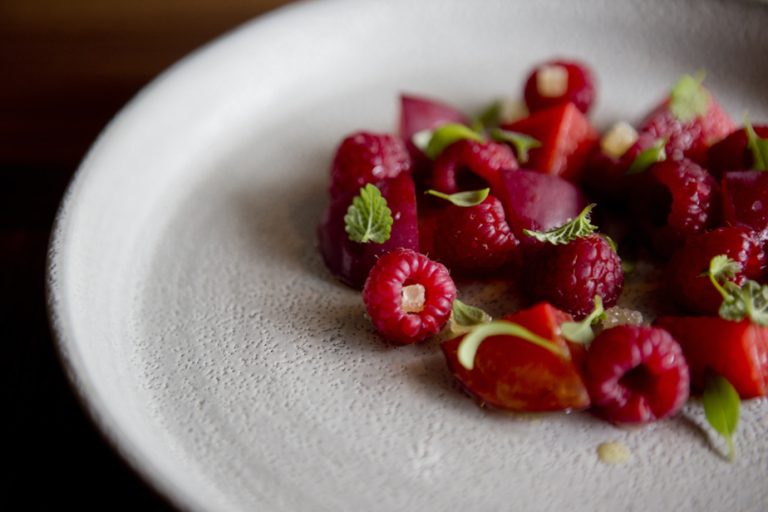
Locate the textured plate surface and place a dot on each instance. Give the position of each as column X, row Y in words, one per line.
column 226, row 365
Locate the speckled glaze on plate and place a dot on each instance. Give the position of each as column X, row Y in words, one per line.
column 215, row 352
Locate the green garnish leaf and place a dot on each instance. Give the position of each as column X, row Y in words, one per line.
column 446, row 135
column 721, row 407
column 581, row 332
column 521, row 142
column 578, row 227
column 368, row 218
column 628, row 267
column 464, row 199
column 648, row 157
column 739, row 302
column 758, row 146
column 689, row 99
column 464, row 317
column 749, row 301
column 489, row 118
column 471, row 342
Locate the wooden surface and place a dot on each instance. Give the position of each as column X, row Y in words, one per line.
column 66, row 67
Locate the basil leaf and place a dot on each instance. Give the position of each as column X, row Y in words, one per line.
column 463, row 199
column 721, row 407
column 446, row 135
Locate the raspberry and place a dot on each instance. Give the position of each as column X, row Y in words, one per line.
column 732, row 153
column 674, row 200
column 636, row 374
column 475, row 240
column 557, row 82
column 693, row 291
column 688, row 139
column 408, row 296
column 745, row 200
column 471, row 165
column 365, row 157
column 569, row 276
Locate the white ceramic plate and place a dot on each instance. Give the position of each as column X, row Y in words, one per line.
column 227, row 366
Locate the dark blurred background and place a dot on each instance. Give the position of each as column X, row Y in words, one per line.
column 66, row 67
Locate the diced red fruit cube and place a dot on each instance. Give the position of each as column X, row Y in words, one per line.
column 570, row 275
column 733, row 153
column 567, row 139
column 475, row 240
column 605, row 176
column 514, row 374
column 537, row 202
column 688, row 139
column 745, row 200
column 636, row 374
column 408, row 296
column 429, row 219
column 351, row 261
column 737, row 351
column 579, row 88
column 686, row 278
column 418, row 113
column 471, row 165
column 674, row 200
column 365, row 157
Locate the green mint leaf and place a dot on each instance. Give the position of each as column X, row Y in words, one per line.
column 472, row 340
column 571, row 230
column 581, row 332
column 488, row 118
column 648, row 157
column 689, row 99
column 748, row 301
column 521, row 142
column 758, row 146
column 446, row 135
column 368, row 218
column 464, row 317
column 628, row 267
column 721, row 407
column 464, row 199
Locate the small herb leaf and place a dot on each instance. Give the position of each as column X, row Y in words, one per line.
column 446, row 135
column 758, row 146
column 747, row 301
column 489, row 118
column 368, row 218
column 648, row 157
column 581, row 332
column 721, row 407
column 578, row 227
column 471, row 342
column 464, row 199
column 521, row 142
column 689, row 99
column 464, row 317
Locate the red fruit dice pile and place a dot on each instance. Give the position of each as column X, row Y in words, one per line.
column 509, row 201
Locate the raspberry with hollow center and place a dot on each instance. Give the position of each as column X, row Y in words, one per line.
column 636, row 374
column 365, row 157
column 475, row 240
column 557, row 82
column 408, row 296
